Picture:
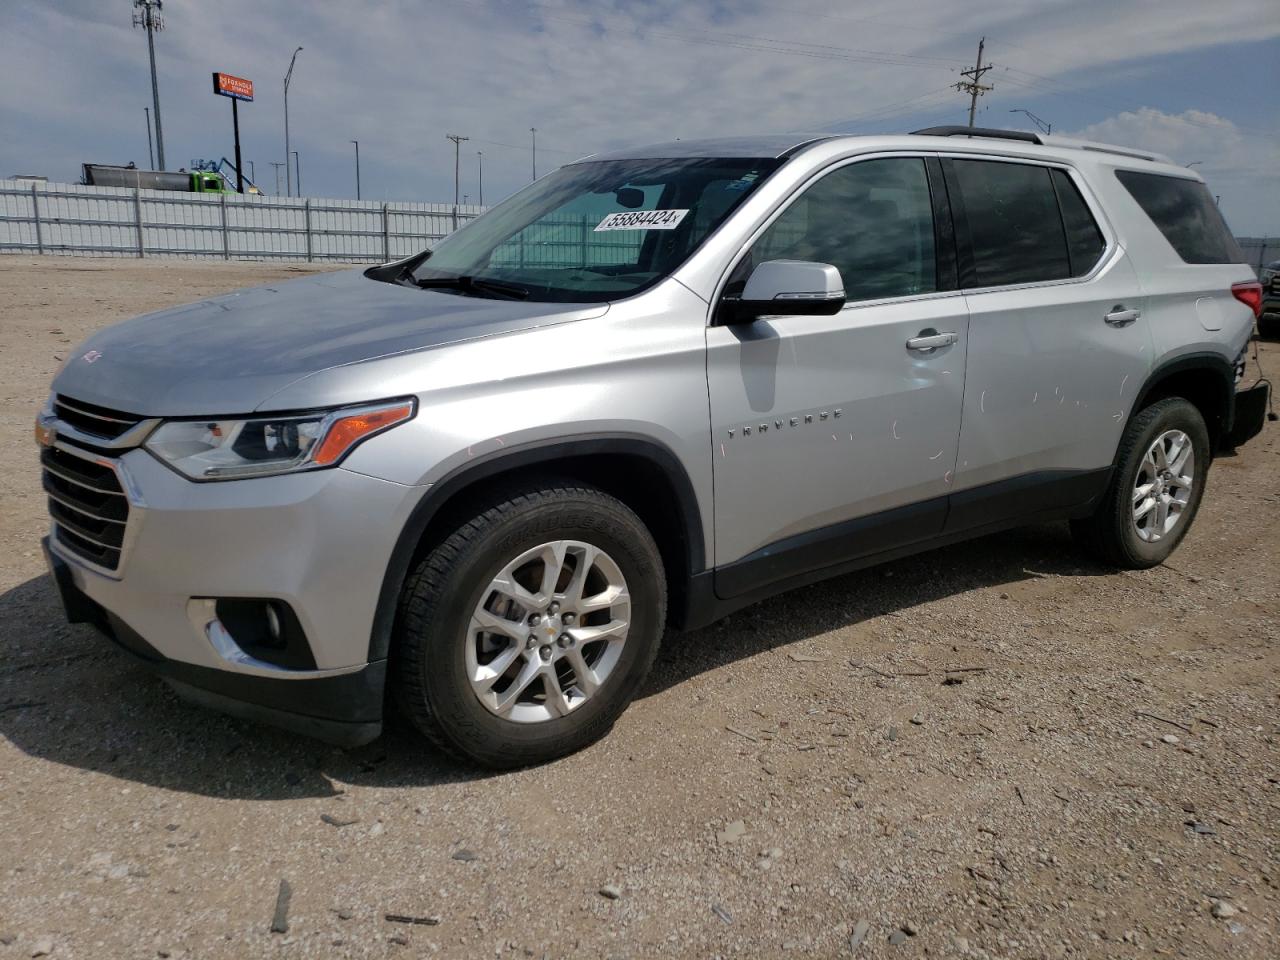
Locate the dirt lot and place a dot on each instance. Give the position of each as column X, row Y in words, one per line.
column 995, row 750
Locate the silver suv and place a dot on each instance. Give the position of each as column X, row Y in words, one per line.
column 651, row 388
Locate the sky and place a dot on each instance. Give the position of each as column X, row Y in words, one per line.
column 1198, row 81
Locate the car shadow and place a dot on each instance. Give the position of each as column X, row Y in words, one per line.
column 69, row 696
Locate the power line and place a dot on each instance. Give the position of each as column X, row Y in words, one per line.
column 974, row 86
column 886, row 110
column 524, row 147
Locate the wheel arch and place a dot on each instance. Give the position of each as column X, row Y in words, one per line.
column 641, row 472
column 1206, row 380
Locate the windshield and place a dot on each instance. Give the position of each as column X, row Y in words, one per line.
column 594, row 231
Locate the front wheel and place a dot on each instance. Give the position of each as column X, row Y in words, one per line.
column 525, row 634
column 1155, row 490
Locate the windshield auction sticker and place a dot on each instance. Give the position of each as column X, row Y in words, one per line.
column 642, row 220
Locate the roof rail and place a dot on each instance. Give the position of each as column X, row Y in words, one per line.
column 956, row 131
column 1095, row 147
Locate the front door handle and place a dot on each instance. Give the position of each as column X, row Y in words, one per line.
column 930, row 340
column 1120, row 317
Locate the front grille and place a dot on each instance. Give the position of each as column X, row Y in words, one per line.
column 88, row 505
column 92, row 419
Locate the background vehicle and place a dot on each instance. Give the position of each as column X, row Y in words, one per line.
column 1269, row 322
column 654, row 387
column 194, row 181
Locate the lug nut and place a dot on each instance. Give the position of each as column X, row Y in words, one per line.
column 555, row 607
column 567, row 619
column 534, row 619
column 565, row 641
column 531, row 642
column 545, row 653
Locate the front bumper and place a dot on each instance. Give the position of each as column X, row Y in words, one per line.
column 344, row 708
column 318, row 542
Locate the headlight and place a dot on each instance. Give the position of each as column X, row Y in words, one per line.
column 261, row 446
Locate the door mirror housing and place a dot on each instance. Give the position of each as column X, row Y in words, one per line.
column 787, row 288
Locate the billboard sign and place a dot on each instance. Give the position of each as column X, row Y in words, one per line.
column 226, row 85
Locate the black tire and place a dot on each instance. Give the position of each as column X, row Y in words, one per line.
column 442, row 591
column 1110, row 533
column 1269, row 326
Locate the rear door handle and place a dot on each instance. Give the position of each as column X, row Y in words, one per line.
column 931, row 340
column 1120, row 317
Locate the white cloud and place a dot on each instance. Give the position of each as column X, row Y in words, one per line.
column 589, row 74
column 1240, row 165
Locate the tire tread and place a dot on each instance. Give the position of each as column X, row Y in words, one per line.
column 424, row 588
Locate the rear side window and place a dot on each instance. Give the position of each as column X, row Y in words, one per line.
column 1186, row 215
column 1085, row 242
column 1015, row 231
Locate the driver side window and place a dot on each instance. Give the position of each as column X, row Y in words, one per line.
column 872, row 220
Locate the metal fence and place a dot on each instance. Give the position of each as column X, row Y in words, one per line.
column 61, row 218
column 1259, row 251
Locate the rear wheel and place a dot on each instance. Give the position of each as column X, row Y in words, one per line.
column 526, row 633
column 1155, row 490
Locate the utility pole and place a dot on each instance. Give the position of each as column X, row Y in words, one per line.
column 146, row 13
column 288, row 181
column 480, row 171
column 533, row 135
column 973, row 85
column 457, row 169
column 357, row 143
column 253, row 174
column 151, row 153
column 277, row 164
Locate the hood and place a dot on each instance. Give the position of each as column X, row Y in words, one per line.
column 231, row 353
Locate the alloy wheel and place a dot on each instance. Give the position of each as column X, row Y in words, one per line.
column 548, row 631
column 1164, row 484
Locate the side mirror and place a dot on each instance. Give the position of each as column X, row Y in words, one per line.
column 788, row 288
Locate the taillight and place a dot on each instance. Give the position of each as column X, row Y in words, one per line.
column 1250, row 294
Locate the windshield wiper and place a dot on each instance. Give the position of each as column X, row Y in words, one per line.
column 398, row 271
column 479, row 285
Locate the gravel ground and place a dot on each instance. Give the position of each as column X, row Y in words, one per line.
column 994, row 750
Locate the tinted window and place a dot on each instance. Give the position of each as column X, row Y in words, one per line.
column 1014, row 226
column 872, row 220
column 1084, row 240
column 1186, row 215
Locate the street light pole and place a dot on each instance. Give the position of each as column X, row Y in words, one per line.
column 480, row 171
column 457, row 168
column 288, row 180
column 146, row 13
column 277, row 164
column 357, row 143
column 297, row 169
column 533, row 138
column 1042, row 125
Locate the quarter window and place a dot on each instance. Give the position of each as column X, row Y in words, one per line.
column 1186, row 215
column 1015, row 231
column 872, row 220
